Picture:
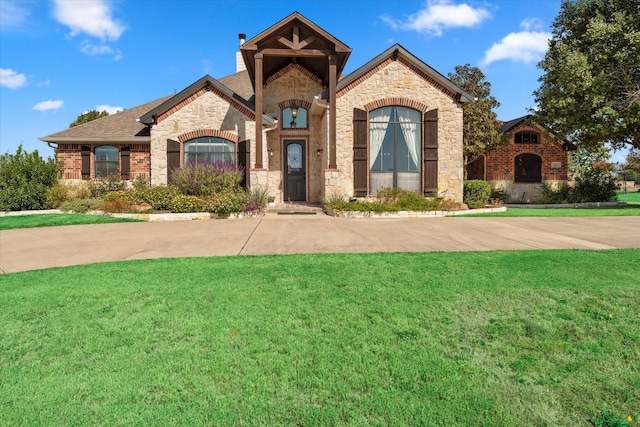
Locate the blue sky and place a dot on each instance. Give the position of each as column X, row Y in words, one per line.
column 61, row 58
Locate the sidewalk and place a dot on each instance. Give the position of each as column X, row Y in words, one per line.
column 35, row 248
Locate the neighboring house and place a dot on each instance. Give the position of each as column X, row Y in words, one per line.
column 520, row 167
column 291, row 122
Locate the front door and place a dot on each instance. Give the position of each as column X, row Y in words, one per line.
column 295, row 170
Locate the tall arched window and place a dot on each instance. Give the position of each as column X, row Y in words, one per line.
column 528, row 168
column 395, row 142
column 106, row 161
column 210, row 150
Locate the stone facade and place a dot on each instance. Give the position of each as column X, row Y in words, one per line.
column 393, row 83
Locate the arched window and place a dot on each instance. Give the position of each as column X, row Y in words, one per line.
column 528, row 168
column 210, row 150
column 527, row 137
column 106, row 161
column 297, row 122
column 395, row 154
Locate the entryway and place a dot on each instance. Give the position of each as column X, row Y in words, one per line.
column 295, row 170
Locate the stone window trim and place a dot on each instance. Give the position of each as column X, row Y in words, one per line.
column 204, row 133
column 397, row 102
column 300, row 103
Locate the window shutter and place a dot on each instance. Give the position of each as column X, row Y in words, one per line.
column 431, row 153
column 173, row 158
column 360, row 164
column 244, row 160
column 86, row 162
column 125, row 163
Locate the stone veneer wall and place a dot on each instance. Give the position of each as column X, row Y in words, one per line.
column 393, row 79
column 206, row 112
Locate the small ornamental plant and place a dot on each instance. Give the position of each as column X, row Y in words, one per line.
column 204, row 179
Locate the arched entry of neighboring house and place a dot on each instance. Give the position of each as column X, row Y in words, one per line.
column 295, row 170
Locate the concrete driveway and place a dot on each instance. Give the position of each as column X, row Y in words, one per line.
column 35, row 248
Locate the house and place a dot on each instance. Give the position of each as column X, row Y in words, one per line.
column 289, row 117
column 531, row 157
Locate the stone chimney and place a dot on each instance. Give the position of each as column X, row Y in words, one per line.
column 239, row 61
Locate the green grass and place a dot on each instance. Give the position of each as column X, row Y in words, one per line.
column 49, row 220
column 438, row 339
column 630, row 210
column 629, row 197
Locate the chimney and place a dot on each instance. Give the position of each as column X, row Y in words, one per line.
column 239, row 61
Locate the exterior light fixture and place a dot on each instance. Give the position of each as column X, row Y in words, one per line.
column 270, row 150
column 318, row 152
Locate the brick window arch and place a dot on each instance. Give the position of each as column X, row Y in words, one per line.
column 528, row 168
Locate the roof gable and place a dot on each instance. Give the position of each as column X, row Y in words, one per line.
column 399, row 53
column 204, row 84
column 295, row 39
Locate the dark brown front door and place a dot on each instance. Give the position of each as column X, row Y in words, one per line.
column 295, row 170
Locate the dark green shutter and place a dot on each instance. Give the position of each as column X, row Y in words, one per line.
column 86, row 162
column 244, row 160
column 125, row 163
column 431, row 153
column 173, row 158
column 360, row 164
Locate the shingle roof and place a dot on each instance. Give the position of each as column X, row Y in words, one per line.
column 122, row 126
column 512, row 124
column 240, row 83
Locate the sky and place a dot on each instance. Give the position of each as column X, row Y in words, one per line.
column 61, row 58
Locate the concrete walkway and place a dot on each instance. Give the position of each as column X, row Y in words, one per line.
column 35, row 248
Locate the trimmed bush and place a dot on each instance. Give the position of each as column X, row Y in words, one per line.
column 81, row 205
column 111, row 183
column 115, row 204
column 476, row 193
column 184, row 204
column 159, row 198
column 227, row 202
column 25, row 179
column 205, row 179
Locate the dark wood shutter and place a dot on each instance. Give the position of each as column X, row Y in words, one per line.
column 125, row 163
column 86, row 162
column 360, row 164
column 173, row 158
column 431, row 153
column 244, row 160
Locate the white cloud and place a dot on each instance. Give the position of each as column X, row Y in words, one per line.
column 525, row 46
column 12, row 79
column 12, row 14
column 92, row 49
column 48, row 105
column 108, row 108
column 44, row 83
column 91, row 17
column 439, row 15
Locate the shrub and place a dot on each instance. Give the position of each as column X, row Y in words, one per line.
column 206, row 179
column 140, row 182
column 390, row 195
column 476, row 193
column 109, row 184
column 24, row 180
column 226, row 202
column 596, row 184
column 117, row 195
column 333, row 198
column 81, row 205
column 499, row 193
column 257, row 200
column 183, row 203
column 159, row 198
column 115, row 204
column 552, row 194
column 57, row 195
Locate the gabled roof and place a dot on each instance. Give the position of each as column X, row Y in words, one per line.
column 119, row 127
column 512, row 124
column 150, row 117
column 397, row 51
column 309, row 38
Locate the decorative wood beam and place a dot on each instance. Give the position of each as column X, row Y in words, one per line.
column 295, row 52
column 283, row 40
column 258, row 85
column 304, row 43
column 333, row 77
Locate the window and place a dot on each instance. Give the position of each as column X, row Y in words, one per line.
column 395, row 149
column 528, row 168
column 300, row 121
column 210, row 150
column 106, row 161
column 527, row 138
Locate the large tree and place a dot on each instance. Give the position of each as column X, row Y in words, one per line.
column 88, row 116
column 482, row 129
column 590, row 90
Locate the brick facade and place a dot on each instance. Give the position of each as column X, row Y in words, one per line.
column 70, row 156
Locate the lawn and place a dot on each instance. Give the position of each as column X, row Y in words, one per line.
column 630, row 210
column 478, row 338
column 629, row 197
column 48, row 220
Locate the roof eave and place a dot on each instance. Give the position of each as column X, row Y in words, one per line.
column 78, row 140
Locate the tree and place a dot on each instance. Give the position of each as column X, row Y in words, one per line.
column 482, row 129
column 590, row 90
column 633, row 160
column 24, row 180
column 88, row 116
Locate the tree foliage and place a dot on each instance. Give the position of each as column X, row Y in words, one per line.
column 633, row 160
column 482, row 129
column 590, row 89
column 24, row 180
column 88, row 116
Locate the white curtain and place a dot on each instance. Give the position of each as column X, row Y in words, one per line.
column 410, row 125
column 378, row 124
